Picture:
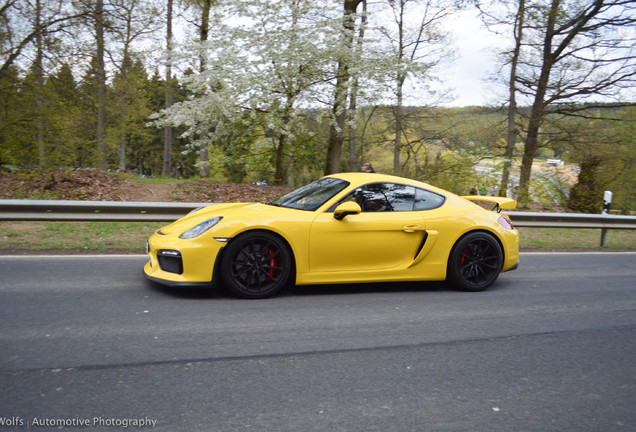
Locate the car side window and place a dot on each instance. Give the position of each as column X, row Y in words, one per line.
column 427, row 200
column 383, row 197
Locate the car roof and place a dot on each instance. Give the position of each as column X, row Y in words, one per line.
column 358, row 178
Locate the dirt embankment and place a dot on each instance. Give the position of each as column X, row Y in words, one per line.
column 91, row 185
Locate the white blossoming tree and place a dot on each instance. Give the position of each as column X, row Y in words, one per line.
column 266, row 63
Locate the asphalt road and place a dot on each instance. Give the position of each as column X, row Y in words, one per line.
column 87, row 344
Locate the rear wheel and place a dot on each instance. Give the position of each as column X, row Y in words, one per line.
column 475, row 262
column 256, row 265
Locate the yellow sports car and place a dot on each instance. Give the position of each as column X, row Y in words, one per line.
column 343, row 228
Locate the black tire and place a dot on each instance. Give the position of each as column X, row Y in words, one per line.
column 256, row 265
column 475, row 262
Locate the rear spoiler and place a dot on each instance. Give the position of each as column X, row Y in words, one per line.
column 501, row 203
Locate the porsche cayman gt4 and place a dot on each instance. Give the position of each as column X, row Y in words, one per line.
column 342, row 228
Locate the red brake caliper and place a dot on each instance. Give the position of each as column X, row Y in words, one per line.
column 272, row 263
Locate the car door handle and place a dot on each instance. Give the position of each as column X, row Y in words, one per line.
column 411, row 228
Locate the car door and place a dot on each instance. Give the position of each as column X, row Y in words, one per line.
column 386, row 234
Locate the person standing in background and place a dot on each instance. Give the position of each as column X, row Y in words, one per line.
column 367, row 168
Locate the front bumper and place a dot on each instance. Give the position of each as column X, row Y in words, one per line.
column 172, row 284
column 179, row 262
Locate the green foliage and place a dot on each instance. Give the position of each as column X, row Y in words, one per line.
column 586, row 195
column 604, row 147
column 451, row 171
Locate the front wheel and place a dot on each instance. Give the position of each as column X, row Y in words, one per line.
column 256, row 265
column 475, row 262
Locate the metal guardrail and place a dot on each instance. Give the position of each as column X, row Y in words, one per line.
column 602, row 221
column 94, row 211
column 119, row 211
column 572, row 220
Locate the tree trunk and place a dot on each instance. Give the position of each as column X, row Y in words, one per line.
column 354, row 163
column 351, row 118
column 167, row 130
column 399, row 124
column 334, row 151
column 278, row 174
column 206, row 7
column 101, row 86
column 123, row 110
column 38, row 70
column 538, row 109
column 123, row 144
column 204, row 154
column 339, row 111
column 398, row 111
column 512, row 103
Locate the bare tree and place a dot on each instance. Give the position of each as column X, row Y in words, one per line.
column 512, row 93
column 417, row 46
column 512, row 59
column 27, row 29
column 575, row 52
column 23, row 23
column 131, row 20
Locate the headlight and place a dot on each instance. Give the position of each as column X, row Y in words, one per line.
column 201, row 228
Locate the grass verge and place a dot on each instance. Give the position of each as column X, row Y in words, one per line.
column 95, row 237
column 130, row 237
column 576, row 239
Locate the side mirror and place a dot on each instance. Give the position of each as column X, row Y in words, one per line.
column 346, row 209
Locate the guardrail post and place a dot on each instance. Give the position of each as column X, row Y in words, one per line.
column 607, row 201
column 603, row 233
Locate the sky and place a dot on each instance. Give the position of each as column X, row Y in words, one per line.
column 474, row 61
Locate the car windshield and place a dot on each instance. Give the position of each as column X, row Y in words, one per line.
column 310, row 197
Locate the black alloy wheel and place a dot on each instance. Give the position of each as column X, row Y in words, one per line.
column 475, row 262
column 256, row 265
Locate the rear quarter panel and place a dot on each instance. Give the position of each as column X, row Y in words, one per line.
column 455, row 220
